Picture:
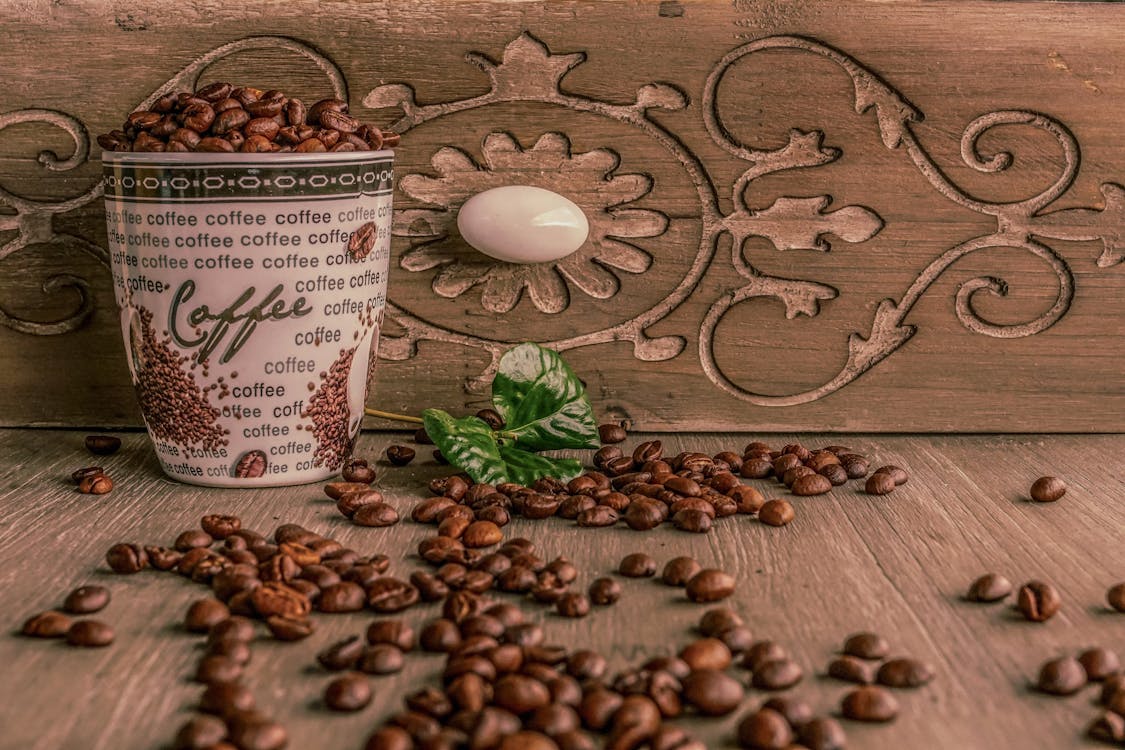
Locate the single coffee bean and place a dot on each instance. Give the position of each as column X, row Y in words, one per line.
column 126, row 558
column 440, row 635
column 336, row 490
column 89, row 634
column 191, row 539
column 644, row 514
column 777, row 674
column 349, row 692
column 880, row 483
column 102, row 445
column 822, row 733
column 357, row 470
column 904, row 673
column 86, row 599
column 737, row 639
column 866, row 646
column 717, row 620
column 258, row 734
column 604, row 591
column 761, row 653
column 400, row 455
column 851, row 669
column 220, row 526
column 776, row 513
column 1099, row 663
column 796, row 711
column 200, row 733
column 747, row 499
column 573, row 604
column 482, row 534
column 811, row 484
column 86, row 472
column 217, row 668
column 712, row 692
column 1115, row 597
column 1111, row 686
column 637, row 565
column 693, row 520
column 49, row 624
column 765, row 729
column 375, row 515
column 1108, row 727
column 706, row 653
column 520, row 694
column 344, row 596
column 1047, row 489
column 204, row 613
column 869, row 703
column 898, row 474
column 232, row 629
column 1038, row 601
column 395, row 632
column 1062, row 676
column 611, row 433
column 285, row 628
column 710, row 585
column 650, row 450
column 344, row 654
column 990, row 587
column 679, row 570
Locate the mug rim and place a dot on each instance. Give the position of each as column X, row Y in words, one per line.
column 209, row 157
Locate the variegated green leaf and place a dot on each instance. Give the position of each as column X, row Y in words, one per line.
column 543, row 403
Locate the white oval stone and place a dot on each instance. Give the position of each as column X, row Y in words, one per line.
column 523, row 224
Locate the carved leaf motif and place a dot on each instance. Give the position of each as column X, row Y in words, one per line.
column 891, row 110
column 887, row 335
column 1106, row 224
column 527, row 69
column 800, row 223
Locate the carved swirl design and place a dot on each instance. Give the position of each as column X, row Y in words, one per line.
column 32, row 220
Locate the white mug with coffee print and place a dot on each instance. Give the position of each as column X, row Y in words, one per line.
column 251, row 289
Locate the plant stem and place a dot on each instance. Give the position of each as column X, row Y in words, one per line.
column 392, row 415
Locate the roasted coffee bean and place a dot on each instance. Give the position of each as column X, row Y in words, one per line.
column 737, row 639
column 836, row 474
column 203, row 614
column 349, row 692
column 637, row 565
column 350, row 502
column 357, row 470
column 851, row 669
column 679, row 570
column 990, row 587
column 220, row 526
column 482, row 534
column 88, row 471
column 857, row 466
column 390, row 738
column 1115, row 597
column 102, row 445
column 611, row 433
column 866, row 646
column 573, row 605
column 491, row 417
column 191, row 539
column 650, row 450
column 777, row 512
column 597, row 516
column 880, row 483
column 217, row 668
column 718, row 619
column 644, row 514
column 400, row 455
column 394, row 632
column 904, row 673
column 126, row 558
column 811, row 484
column 258, row 734
column 710, row 585
column 1038, row 601
column 765, row 729
column 762, row 652
column 1062, row 676
column 899, row 475
column 375, row 514
column 49, row 624
column 796, row 711
column 226, row 699
column 344, row 596
column 232, row 629
column 343, row 654
column 1099, row 663
column 200, row 733
column 89, row 634
column 777, row 674
column 96, row 484
column 520, row 694
column 1047, row 489
column 440, row 635
column 692, row 520
column 388, row 595
column 290, row 628
column 792, row 475
column 604, row 591
column 869, row 703
column 1111, row 686
column 712, row 692
column 86, row 599
column 706, row 653
column 275, row 598
column 1108, row 727
column 822, row 733
column 756, row 468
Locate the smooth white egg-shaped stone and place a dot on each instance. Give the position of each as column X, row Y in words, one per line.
column 523, row 224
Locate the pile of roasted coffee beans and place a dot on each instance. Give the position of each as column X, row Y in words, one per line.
column 224, row 118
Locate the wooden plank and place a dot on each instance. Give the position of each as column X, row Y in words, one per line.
column 896, row 564
column 1009, row 324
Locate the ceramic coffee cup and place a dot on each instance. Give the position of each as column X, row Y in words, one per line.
column 251, row 289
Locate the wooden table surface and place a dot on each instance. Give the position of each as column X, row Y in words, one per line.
column 896, row 564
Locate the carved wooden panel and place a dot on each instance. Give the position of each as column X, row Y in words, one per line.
column 854, row 215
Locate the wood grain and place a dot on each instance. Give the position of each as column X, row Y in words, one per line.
column 834, row 237
column 896, row 564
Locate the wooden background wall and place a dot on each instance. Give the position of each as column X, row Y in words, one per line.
column 805, row 215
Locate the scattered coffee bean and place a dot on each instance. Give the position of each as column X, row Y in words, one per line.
column 395, row 632
column 482, row 534
column 990, row 587
column 204, row 613
column 220, row 526
column 880, row 483
column 1115, row 597
column 777, row 512
column 717, row 620
column 400, row 455
column 604, row 591
column 866, row 646
column 375, row 514
column 1038, row 601
column 85, row 600
column 765, row 729
column 611, row 433
column 85, row 472
column 679, row 570
column 357, row 470
column 258, row 734
column 1062, row 676
column 191, row 539
column 851, row 669
column 381, row 658
column 349, row 692
column 1047, row 489
column 285, row 628
column 89, row 634
column 200, row 733
column 49, row 624
column 777, row 674
column 762, row 652
column 1099, row 663
column 904, row 673
column 710, row 585
column 869, row 703
column 796, row 711
column 215, row 668
column 811, row 484
column 344, row 596
column 637, row 565
column 341, row 655
column 102, row 445
column 822, row 733
column 573, row 605
column 96, row 484
column 706, row 653
column 1108, row 727
column 712, row 692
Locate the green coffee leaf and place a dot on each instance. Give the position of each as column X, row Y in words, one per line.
column 542, row 401
column 524, row 467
